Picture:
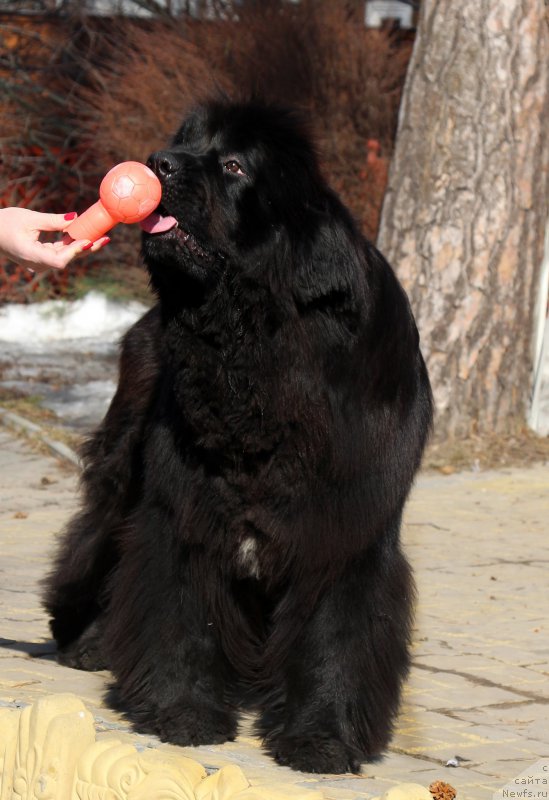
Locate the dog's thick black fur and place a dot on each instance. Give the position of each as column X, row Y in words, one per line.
column 238, row 544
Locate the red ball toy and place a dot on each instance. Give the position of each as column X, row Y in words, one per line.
column 128, row 193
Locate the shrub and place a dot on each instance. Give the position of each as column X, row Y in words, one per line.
column 47, row 62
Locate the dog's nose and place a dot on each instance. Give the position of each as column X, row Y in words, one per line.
column 163, row 163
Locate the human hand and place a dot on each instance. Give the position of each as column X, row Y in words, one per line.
column 20, row 229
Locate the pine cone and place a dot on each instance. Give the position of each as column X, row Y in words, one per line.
column 442, row 791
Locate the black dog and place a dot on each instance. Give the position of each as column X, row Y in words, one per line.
column 238, row 544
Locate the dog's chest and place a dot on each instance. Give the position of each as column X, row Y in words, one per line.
column 227, row 370
column 227, row 398
column 248, row 558
column 253, row 553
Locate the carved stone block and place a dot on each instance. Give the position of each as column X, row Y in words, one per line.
column 48, row 751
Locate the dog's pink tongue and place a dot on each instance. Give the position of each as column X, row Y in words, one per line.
column 156, row 223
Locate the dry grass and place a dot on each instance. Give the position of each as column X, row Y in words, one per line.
column 489, row 451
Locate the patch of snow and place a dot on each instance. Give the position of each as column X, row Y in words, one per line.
column 65, row 353
column 95, row 316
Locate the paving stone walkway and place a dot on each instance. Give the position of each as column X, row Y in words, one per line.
column 479, row 688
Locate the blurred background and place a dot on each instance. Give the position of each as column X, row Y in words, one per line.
column 85, row 85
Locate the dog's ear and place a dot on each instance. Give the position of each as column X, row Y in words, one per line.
column 331, row 269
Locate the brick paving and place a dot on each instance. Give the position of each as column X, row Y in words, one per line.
column 479, row 688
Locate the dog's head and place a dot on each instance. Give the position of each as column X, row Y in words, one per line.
column 235, row 179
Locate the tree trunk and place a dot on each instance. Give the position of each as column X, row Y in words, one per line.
column 464, row 215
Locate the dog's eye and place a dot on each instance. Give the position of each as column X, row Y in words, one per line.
column 234, row 167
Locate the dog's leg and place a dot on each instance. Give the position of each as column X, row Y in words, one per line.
column 344, row 674
column 76, row 589
column 171, row 674
column 75, row 593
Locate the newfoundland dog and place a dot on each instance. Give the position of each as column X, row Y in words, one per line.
column 238, row 542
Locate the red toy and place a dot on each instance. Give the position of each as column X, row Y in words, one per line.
column 128, row 193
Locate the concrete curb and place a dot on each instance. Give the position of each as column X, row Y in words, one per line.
column 19, row 424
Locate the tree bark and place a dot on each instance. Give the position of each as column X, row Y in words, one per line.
column 465, row 211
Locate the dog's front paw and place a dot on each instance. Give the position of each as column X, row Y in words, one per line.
column 314, row 754
column 186, row 723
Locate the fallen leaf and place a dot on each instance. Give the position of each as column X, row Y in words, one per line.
column 447, row 469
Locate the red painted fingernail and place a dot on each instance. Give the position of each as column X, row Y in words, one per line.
column 87, row 246
column 70, row 215
column 106, row 241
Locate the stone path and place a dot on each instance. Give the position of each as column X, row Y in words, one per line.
column 479, row 688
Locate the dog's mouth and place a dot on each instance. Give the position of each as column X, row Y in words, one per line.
column 157, row 223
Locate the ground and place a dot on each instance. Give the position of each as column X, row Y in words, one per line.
column 479, row 686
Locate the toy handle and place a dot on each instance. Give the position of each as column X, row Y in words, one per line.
column 92, row 224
